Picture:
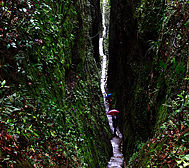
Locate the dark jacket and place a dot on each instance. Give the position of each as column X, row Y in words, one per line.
column 115, row 121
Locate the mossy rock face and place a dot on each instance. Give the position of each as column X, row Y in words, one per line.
column 55, row 88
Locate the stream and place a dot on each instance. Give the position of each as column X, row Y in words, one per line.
column 117, row 160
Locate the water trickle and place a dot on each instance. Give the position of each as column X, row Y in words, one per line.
column 117, row 159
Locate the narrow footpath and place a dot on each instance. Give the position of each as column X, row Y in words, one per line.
column 117, row 160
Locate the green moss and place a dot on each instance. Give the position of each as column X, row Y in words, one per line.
column 150, row 150
column 161, row 114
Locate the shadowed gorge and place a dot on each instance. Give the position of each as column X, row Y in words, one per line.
column 146, row 72
column 53, row 111
column 127, row 66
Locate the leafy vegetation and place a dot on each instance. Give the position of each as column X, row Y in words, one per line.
column 169, row 146
column 52, row 112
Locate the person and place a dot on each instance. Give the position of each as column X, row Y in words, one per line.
column 109, row 98
column 115, row 122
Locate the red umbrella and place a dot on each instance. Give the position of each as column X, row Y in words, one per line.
column 113, row 112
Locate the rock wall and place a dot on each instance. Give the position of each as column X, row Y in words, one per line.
column 128, row 75
column 95, row 26
column 49, row 80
